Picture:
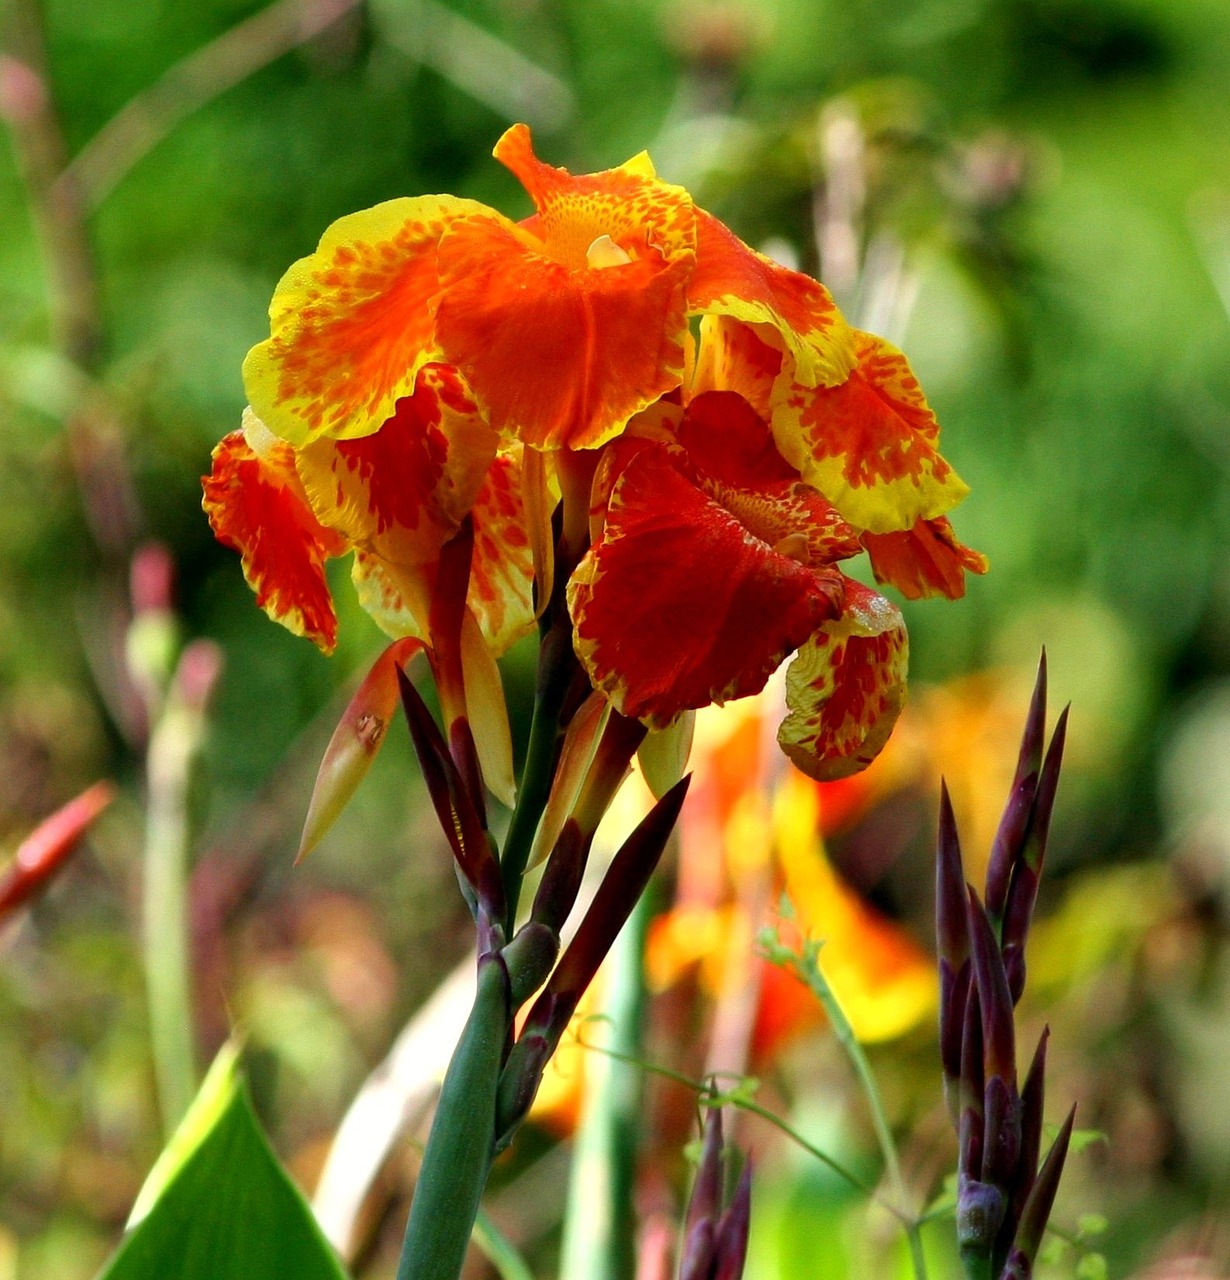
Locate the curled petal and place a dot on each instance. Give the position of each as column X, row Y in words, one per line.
column 738, row 465
column 558, row 355
column 733, row 356
column 734, row 280
column 403, row 491
column 257, row 505
column 926, row 560
column 870, row 444
column 352, row 323
column 846, row 688
column 679, row 605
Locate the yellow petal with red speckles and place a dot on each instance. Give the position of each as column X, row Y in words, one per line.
column 558, row 356
column 397, row 600
column 870, row 444
column 256, row 505
column 926, row 560
column 732, row 279
column 679, row 605
column 403, row 491
column 846, row 687
column 502, row 569
column 352, row 322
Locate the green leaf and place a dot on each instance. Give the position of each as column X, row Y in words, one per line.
column 217, row 1205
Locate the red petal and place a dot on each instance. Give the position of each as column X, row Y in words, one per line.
column 926, row 560
column 679, row 605
column 846, row 688
column 256, row 505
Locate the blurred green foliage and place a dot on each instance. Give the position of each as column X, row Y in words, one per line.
column 1044, row 227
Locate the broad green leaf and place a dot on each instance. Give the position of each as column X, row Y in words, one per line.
column 217, row 1205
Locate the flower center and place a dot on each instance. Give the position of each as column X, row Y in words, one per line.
column 604, row 252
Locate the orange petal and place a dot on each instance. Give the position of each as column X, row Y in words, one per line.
column 926, row 560
column 558, row 356
column 870, row 444
column 628, row 204
column 884, row 981
column 679, row 605
column 256, row 505
column 352, row 322
column 846, row 688
column 732, row 279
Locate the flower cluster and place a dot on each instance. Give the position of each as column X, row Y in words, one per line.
column 717, row 438
column 1004, row 1197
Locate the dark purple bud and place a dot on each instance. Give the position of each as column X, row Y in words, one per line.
column 699, row 1249
column 561, row 877
column 705, row 1201
column 954, row 996
column 971, row 1091
column 734, row 1228
column 458, row 818
column 1048, row 785
column 1038, row 1206
column 994, row 998
column 1001, row 1134
column 1031, row 1137
column 619, row 892
column 951, row 926
column 1030, row 755
column 1008, row 845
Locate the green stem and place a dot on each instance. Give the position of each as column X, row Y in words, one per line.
column 554, row 669
column 879, row 1119
column 175, row 741
column 460, row 1146
column 599, row 1220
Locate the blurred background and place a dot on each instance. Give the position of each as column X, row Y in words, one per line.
column 1032, row 197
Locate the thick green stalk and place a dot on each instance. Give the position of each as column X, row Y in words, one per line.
column 173, row 748
column 460, row 1146
column 599, row 1219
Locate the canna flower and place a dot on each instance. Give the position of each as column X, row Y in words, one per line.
column 563, row 326
column 435, row 362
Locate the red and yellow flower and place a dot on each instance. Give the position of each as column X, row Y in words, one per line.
column 435, row 361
